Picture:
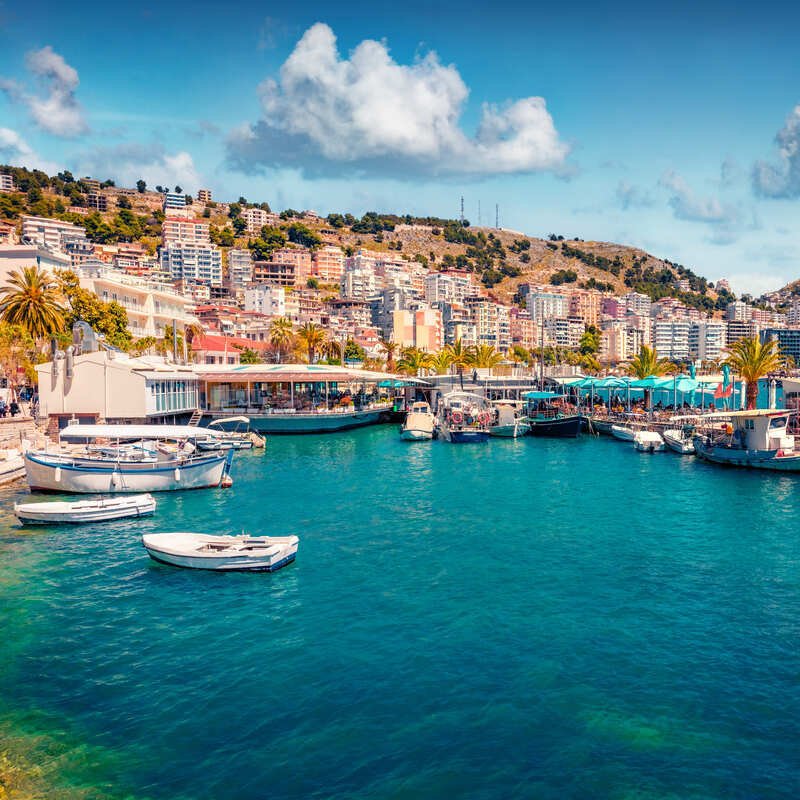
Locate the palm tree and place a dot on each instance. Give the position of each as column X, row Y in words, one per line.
column 413, row 360
column 280, row 334
column 440, row 363
column 484, row 355
column 31, row 301
column 331, row 349
column 312, row 337
column 459, row 358
column 390, row 348
column 519, row 354
column 753, row 359
column 648, row 363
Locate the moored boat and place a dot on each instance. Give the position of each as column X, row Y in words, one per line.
column 12, row 466
column 623, row 432
column 222, row 553
column 419, row 423
column 229, row 433
column 680, row 438
column 507, row 421
column 546, row 417
column 463, row 417
column 100, row 510
column 648, row 442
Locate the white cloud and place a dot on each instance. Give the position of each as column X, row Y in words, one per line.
column 127, row 163
column 630, row 196
column 334, row 115
column 781, row 179
column 14, row 150
column 56, row 109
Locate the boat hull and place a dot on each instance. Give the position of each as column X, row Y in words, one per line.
column 678, row 445
column 219, row 565
column 415, row 435
column 85, row 511
column 59, row 475
column 466, row 437
column 12, row 470
column 565, row 427
column 323, row 422
column 511, row 431
column 622, row 433
column 749, row 459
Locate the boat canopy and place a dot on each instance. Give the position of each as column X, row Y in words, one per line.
column 541, row 395
column 135, row 432
column 225, row 420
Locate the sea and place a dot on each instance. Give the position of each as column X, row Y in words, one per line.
column 525, row 618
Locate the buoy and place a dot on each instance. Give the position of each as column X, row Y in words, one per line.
column 114, row 478
column 58, row 475
column 177, row 473
column 226, row 482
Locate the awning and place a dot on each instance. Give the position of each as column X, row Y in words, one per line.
column 541, row 395
column 281, row 377
column 135, row 432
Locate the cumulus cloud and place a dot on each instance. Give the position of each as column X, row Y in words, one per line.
column 55, row 108
column 16, row 151
column 127, row 163
column 630, row 196
column 781, row 178
column 367, row 113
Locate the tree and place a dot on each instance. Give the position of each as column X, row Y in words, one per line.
column 17, row 354
column 459, row 358
column 312, row 283
column 123, row 202
column 354, row 351
column 413, row 361
column 484, row 356
column 648, row 363
column 178, row 190
column 311, row 336
column 30, row 300
column 249, row 356
column 280, row 334
column 331, row 350
column 389, row 348
column 752, row 359
column 520, row 354
column 303, row 235
column 141, row 186
column 440, row 363
column 590, row 341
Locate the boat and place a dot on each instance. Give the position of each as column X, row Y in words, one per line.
column 419, row 424
column 105, row 508
column 756, row 439
column 88, row 472
column 463, row 417
column 648, row 442
column 546, row 418
column 622, row 431
column 680, row 438
column 222, row 553
column 507, row 421
column 12, row 465
column 236, row 436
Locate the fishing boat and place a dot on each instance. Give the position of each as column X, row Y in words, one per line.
column 228, row 433
column 87, row 472
column 507, row 421
column 463, row 417
column 419, row 424
column 12, row 465
column 222, row 553
column 546, row 418
column 757, row 439
column 648, row 442
column 101, row 510
column 680, row 438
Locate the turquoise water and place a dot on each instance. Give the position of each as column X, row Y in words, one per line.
column 530, row 618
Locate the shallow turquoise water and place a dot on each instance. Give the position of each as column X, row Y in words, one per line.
column 527, row 618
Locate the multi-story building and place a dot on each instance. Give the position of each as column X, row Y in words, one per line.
column 547, row 305
column 492, row 322
column 738, row 311
column 240, row 268
column 274, row 272
column 523, row 329
column 173, row 200
column 707, row 339
column 188, row 231
column 131, row 258
column 91, row 184
column 97, row 201
column 793, row 314
column 78, row 248
column 563, row 332
column 452, row 286
column 7, row 183
column 328, row 264
column 299, row 258
column 13, row 257
column 204, row 195
column 197, row 262
column 671, row 339
column 428, row 330
column 269, row 300
column 585, row 304
column 49, row 232
column 257, row 218
column 741, row 329
column 637, row 303
column 788, row 340
column 359, row 284
column 612, row 307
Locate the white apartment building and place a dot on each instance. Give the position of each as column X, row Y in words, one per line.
column 150, row 306
column 563, row 332
column 173, row 200
column 793, row 315
column 50, row 233
column 547, row 305
column 738, row 312
column 359, row 284
column 492, row 322
column 201, row 263
column 671, row 338
column 741, row 330
column 180, row 229
column 328, row 264
column 637, row 303
column 269, row 300
column 449, row 287
column 13, row 257
column 240, row 268
column 257, row 218
column 707, row 339
column 6, row 183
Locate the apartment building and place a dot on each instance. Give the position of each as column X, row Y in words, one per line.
column 328, row 264
column 97, row 201
column 563, row 332
column 204, row 195
column 173, row 201
column 450, row 286
column 707, row 339
column 492, row 322
column 546, row 305
column 268, row 300
column 299, row 258
column 788, row 340
column 741, row 329
column 359, row 284
column 523, row 329
column 584, row 304
column 7, row 183
column 188, row 261
column 240, row 269
column 13, row 257
column 91, row 184
column 257, row 218
column 671, row 338
column 49, row 232
column 78, row 248
column 637, row 303
column 188, row 231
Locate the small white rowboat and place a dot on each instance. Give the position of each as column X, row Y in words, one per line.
column 222, row 553
column 105, row 508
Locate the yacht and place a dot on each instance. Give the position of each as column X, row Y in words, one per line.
column 419, row 424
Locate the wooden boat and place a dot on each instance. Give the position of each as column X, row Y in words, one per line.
column 648, row 442
column 546, row 418
column 101, row 510
column 222, row 553
column 419, row 423
column 463, row 417
column 508, row 422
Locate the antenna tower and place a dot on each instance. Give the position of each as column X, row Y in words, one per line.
column 462, row 209
column 497, row 216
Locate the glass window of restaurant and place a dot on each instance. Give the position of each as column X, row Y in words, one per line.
column 172, row 395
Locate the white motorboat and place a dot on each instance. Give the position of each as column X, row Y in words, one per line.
column 222, row 553
column 230, row 433
column 648, row 442
column 507, row 422
column 623, row 432
column 681, row 437
column 105, row 508
column 419, row 423
column 176, row 468
column 12, row 466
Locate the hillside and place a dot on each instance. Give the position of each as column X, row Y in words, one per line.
column 501, row 260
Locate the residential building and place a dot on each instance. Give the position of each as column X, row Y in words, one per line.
column 546, row 305
column 268, row 300
column 741, row 329
column 328, row 264
column 793, row 315
column 421, row 328
column 359, row 284
column 492, row 322
column 192, row 291
column 288, row 266
column 78, row 248
column 91, row 184
column 173, row 200
column 97, row 201
column 131, row 258
column 585, row 305
column 738, row 311
column 7, row 232
column 240, row 268
column 637, row 303
column 523, row 329
column 198, row 262
column 386, row 303
column 788, row 340
column 563, row 332
column 49, row 232
column 204, row 195
column 451, row 286
column 7, row 183
column 671, row 339
column 707, row 339
column 13, row 257
column 612, row 307
column 257, row 218
column 209, row 349
column 188, row 231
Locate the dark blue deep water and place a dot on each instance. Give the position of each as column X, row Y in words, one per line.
column 533, row 618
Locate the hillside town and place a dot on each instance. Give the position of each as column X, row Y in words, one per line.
column 227, row 271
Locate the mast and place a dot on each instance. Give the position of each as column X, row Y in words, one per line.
column 541, row 348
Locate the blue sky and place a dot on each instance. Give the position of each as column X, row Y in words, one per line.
column 676, row 129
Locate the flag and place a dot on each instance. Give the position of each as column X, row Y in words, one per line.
column 721, row 391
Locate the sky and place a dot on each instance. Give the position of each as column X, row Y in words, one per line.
column 675, row 129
